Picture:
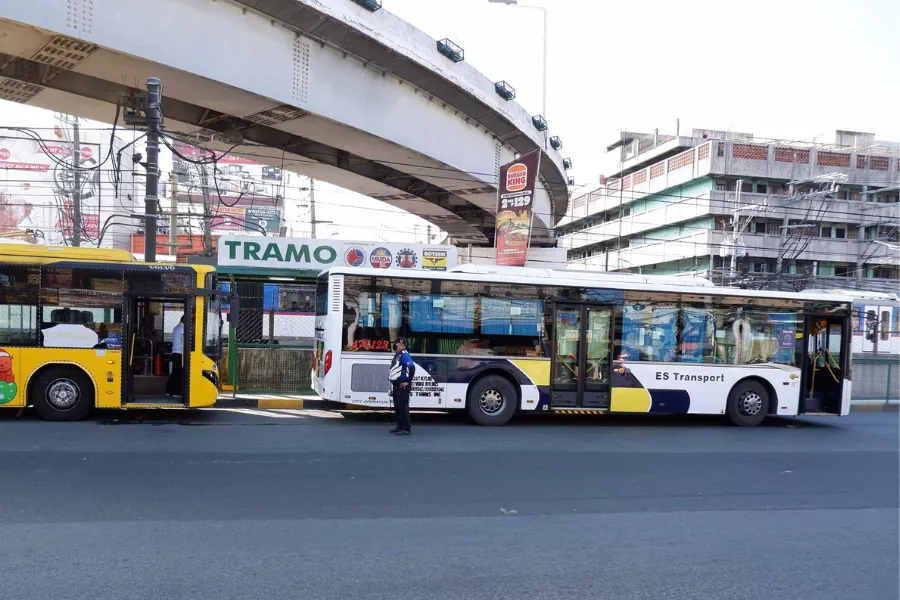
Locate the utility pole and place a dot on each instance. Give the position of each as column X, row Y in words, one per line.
column 151, row 198
column 207, row 211
column 785, row 220
column 173, row 212
column 737, row 228
column 312, row 207
column 862, row 223
column 428, row 239
column 76, row 181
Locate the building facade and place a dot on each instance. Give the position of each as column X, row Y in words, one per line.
column 744, row 211
column 39, row 186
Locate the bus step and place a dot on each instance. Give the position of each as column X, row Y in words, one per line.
column 580, row 411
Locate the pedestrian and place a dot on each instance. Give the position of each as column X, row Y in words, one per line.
column 173, row 385
column 403, row 369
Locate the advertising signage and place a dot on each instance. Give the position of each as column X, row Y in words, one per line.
column 311, row 254
column 515, row 201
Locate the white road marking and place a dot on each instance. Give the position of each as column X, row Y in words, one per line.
column 260, row 413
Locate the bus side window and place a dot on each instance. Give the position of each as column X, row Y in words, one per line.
column 18, row 305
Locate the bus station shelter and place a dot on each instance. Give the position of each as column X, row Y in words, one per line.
column 270, row 344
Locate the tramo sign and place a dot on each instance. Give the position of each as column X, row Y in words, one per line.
column 311, row 254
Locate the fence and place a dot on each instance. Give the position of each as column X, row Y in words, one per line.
column 876, row 378
column 273, row 337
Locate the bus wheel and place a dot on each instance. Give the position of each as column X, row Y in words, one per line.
column 62, row 394
column 748, row 404
column 492, row 400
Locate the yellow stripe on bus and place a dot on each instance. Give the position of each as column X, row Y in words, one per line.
column 538, row 371
column 635, row 400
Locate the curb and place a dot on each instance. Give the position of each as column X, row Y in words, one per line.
column 251, row 402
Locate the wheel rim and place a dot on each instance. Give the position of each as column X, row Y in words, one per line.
column 63, row 394
column 492, row 401
column 750, row 403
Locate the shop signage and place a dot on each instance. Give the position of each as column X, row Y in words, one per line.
column 302, row 253
column 515, row 200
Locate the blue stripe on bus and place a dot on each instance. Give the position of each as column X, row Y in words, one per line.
column 669, row 401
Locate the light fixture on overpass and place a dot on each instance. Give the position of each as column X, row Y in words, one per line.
column 571, row 181
column 567, row 163
column 369, row 5
column 451, row 50
column 504, row 90
column 539, row 122
column 555, row 142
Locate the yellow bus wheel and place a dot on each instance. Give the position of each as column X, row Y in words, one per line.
column 62, row 393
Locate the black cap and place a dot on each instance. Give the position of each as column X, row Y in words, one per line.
column 399, row 340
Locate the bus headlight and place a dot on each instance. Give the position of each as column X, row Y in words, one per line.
column 211, row 376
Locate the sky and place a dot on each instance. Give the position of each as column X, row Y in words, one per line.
column 789, row 69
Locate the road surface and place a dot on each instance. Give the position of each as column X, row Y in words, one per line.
column 270, row 504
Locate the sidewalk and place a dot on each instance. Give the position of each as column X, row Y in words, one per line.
column 874, row 406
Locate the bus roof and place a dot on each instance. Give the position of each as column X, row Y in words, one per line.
column 46, row 254
column 35, row 254
column 603, row 279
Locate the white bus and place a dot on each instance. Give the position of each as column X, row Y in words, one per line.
column 495, row 341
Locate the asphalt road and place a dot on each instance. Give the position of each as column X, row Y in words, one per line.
column 280, row 504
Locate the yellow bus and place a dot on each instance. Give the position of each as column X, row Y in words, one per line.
column 82, row 328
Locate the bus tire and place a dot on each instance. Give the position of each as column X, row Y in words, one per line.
column 62, row 394
column 748, row 404
column 492, row 400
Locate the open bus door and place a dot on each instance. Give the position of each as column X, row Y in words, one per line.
column 147, row 365
column 826, row 365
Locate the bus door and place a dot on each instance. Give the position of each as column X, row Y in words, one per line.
column 149, row 323
column 582, row 352
column 825, row 365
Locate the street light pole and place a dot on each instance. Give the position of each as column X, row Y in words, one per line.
column 543, row 9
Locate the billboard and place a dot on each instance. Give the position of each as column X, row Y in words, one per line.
column 37, row 188
column 312, row 254
column 515, row 201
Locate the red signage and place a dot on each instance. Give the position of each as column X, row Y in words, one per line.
column 195, row 153
column 17, row 166
column 86, row 152
column 90, row 223
column 4, row 154
column 515, row 209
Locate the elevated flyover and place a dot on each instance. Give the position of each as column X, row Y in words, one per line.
column 359, row 99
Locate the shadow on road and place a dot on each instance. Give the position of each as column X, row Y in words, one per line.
column 607, row 420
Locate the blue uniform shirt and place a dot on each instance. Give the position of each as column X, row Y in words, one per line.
column 402, row 368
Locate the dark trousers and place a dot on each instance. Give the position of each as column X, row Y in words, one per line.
column 173, row 385
column 401, row 406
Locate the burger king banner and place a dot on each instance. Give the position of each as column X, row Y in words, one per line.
column 514, row 209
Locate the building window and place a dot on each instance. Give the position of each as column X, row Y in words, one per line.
column 853, row 233
column 759, row 227
column 841, row 271
column 773, row 227
column 761, row 188
column 840, row 233
column 721, row 186
column 746, row 187
column 826, row 232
